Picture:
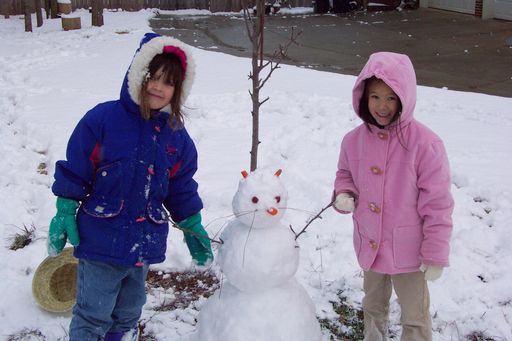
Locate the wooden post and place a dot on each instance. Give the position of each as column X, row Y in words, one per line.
column 39, row 13
column 28, row 15
column 97, row 12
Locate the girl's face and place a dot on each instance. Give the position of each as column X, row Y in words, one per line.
column 159, row 92
column 382, row 102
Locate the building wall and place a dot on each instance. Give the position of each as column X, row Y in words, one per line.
column 484, row 9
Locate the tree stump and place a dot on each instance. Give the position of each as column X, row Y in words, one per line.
column 64, row 7
column 71, row 23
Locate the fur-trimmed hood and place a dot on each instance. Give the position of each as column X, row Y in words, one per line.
column 151, row 45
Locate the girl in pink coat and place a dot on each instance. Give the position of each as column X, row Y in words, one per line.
column 393, row 174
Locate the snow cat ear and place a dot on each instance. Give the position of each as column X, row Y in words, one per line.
column 245, row 174
column 278, row 172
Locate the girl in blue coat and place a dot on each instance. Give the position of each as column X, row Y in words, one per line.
column 129, row 165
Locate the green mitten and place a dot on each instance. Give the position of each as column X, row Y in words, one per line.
column 63, row 226
column 200, row 248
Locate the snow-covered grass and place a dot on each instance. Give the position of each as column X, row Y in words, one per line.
column 50, row 78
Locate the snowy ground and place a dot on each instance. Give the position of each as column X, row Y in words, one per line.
column 50, row 78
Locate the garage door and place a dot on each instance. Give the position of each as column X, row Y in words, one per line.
column 503, row 9
column 464, row 6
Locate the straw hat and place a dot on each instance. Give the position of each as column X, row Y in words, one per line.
column 54, row 282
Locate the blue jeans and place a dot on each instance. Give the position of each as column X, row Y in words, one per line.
column 108, row 298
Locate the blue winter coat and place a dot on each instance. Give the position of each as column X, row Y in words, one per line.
column 124, row 170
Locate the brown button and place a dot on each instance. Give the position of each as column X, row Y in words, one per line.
column 382, row 136
column 374, row 208
column 373, row 244
column 376, row 170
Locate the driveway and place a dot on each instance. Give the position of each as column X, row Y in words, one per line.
column 448, row 49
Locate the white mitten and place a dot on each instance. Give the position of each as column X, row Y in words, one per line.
column 344, row 202
column 432, row 272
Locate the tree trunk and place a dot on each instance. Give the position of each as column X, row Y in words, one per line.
column 54, row 9
column 39, row 13
column 5, row 9
column 257, row 65
column 255, row 31
column 47, row 8
column 97, row 12
column 28, row 15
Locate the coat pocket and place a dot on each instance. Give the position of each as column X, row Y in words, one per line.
column 105, row 200
column 157, row 213
column 406, row 246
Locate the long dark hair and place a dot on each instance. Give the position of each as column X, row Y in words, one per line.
column 368, row 119
column 173, row 74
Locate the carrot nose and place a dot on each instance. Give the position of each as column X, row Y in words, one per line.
column 272, row 211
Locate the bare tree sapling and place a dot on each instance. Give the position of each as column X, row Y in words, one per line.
column 255, row 25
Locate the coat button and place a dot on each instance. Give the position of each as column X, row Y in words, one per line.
column 373, row 244
column 104, row 173
column 374, row 208
column 376, row 170
column 382, row 136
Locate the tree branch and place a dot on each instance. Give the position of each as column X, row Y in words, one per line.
column 312, row 219
column 278, row 56
column 220, row 241
column 272, row 69
column 266, row 99
column 247, row 19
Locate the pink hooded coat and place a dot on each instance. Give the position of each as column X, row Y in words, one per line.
column 400, row 178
